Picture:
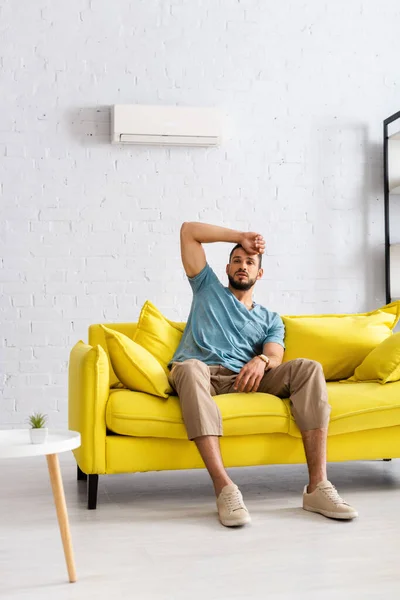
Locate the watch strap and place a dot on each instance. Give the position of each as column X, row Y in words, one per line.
column 265, row 359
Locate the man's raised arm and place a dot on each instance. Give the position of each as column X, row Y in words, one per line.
column 193, row 235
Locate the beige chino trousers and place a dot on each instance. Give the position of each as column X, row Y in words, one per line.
column 301, row 380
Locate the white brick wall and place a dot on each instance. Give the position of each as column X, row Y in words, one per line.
column 89, row 231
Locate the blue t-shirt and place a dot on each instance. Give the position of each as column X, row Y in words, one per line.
column 220, row 330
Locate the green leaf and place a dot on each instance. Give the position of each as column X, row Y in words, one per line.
column 37, row 420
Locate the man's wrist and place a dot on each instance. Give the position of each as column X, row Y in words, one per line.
column 265, row 359
column 241, row 237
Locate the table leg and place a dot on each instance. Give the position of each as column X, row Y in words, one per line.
column 62, row 515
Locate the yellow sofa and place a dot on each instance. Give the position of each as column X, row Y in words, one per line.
column 126, row 431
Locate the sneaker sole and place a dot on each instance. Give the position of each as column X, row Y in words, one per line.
column 332, row 515
column 232, row 523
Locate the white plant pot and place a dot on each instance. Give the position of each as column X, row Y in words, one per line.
column 39, row 436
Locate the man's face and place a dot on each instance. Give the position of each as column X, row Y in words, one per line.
column 243, row 270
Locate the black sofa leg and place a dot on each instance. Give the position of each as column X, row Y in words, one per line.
column 80, row 475
column 92, row 485
column 386, row 459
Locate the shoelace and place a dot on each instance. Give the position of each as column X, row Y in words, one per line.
column 332, row 494
column 234, row 501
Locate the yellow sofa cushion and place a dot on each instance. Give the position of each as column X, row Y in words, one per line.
column 359, row 406
column 97, row 336
column 157, row 334
column 135, row 367
column 382, row 364
column 339, row 342
column 137, row 414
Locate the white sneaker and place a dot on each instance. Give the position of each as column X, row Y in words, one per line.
column 231, row 508
column 326, row 501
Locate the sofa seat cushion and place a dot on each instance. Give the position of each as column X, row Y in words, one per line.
column 359, row 406
column 142, row 415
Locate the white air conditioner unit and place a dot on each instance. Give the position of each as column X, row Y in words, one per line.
column 165, row 125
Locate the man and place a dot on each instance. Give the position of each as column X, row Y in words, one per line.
column 231, row 344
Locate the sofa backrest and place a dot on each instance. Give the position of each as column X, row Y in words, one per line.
column 339, row 342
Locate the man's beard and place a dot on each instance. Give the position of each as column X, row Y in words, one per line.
column 241, row 285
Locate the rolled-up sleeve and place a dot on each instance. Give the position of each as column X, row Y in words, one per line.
column 276, row 332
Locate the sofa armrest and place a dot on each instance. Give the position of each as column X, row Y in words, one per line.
column 88, row 391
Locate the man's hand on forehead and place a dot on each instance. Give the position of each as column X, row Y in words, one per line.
column 253, row 243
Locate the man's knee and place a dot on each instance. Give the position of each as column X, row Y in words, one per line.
column 307, row 364
column 189, row 369
column 191, row 365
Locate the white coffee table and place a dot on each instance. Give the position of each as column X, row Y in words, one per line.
column 15, row 443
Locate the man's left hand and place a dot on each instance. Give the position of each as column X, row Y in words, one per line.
column 250, row 376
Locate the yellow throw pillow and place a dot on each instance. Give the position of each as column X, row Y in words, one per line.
column 382, row 364
column 134, row 366
column 157, row 334
column 339, row 342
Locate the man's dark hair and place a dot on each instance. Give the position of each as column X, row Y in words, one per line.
column 240, row 246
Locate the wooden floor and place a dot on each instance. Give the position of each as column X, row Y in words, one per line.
column 155, row 536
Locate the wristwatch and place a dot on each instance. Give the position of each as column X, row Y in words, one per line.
column 265, row 359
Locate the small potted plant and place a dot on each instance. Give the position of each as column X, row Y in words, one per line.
column 38, row 430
